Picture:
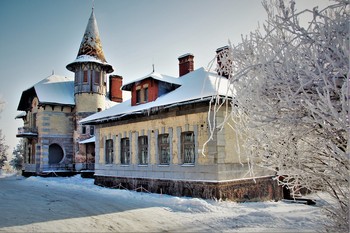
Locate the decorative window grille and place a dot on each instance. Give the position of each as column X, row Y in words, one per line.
column 164, row 149
column 125, row 151
column 187, row 147
column 109, row 151
column 143, row 150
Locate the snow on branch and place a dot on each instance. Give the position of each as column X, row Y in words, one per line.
column 291, row 102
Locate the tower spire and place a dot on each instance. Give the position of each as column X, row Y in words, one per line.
column 91, row 47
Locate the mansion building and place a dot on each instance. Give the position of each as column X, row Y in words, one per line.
column 159, row 140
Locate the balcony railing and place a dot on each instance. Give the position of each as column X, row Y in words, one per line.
column 88, row 166
column 27, row 132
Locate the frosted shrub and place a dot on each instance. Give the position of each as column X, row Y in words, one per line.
column 291, row 107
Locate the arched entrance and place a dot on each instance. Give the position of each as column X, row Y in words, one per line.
column 55, row 154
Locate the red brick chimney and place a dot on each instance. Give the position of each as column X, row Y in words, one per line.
column 186, row 63
column 115, row 92
column 219, row 54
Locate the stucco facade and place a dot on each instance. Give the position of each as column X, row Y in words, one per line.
column 54, row 140
column 218, row 173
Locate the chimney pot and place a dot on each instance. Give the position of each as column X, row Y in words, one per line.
column 186, row 64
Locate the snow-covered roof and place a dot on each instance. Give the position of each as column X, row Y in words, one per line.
column 89, row 140
column 153, row 75
column 21, row 114
column 195, row 86
column 54, row 89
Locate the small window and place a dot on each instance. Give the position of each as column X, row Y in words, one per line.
column 92, row 130
column 164, row 149
column 109, row 151
column 97, row 77
column 125, row 151
column 138, row 96
column 85, row 79
column 143, row 150
column 145, row 93
column 187, row 148
column 83, row 129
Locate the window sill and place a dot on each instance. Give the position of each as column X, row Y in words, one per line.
column 163, row 165
column 108, row 165
column 125, row 165
column 188, row 165
column 142, row 165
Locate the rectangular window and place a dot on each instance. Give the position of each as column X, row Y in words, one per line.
column 138, row 96
column 85, row 78
column 83, row 129
column 145, row 93
column 97, row 77
column 143, row 150
column 109, row 151
column 164, row 149
column 92, row 130
column 125, row 151
column 187, row 147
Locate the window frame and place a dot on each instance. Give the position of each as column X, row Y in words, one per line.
column 92, row 130
column 125, row 151
column 186, row 147
column 143, row 150
column 145, row 94
column 85, row 76
column 138, row 96
column 109, row 152
column 163, row 159
column 83, row 129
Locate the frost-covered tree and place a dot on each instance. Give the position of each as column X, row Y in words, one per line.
column 291, row 102
column 3, row 146
column 3, row 150
column 18, row 153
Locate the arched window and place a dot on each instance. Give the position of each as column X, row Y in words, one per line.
column 55, row 154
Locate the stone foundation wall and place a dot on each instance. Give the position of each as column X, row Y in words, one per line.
column 264, row 188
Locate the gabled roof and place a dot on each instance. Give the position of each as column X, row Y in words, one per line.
column 198, row 85
column 156, row 76
column 91, row 47
column 55, row 89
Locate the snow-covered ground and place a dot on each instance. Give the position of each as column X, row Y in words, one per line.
column 74, row 204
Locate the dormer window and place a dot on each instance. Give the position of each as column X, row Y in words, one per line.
column 141, row 94
column 151, row 87
column 138, row 96
column 145, row 92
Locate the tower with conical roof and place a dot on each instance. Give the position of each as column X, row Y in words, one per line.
column 91, row 69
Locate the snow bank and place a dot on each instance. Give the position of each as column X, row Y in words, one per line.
column 73, row 204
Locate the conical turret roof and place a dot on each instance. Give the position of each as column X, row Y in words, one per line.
column 91, row 47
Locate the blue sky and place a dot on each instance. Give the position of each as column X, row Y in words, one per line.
column 40, row 36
